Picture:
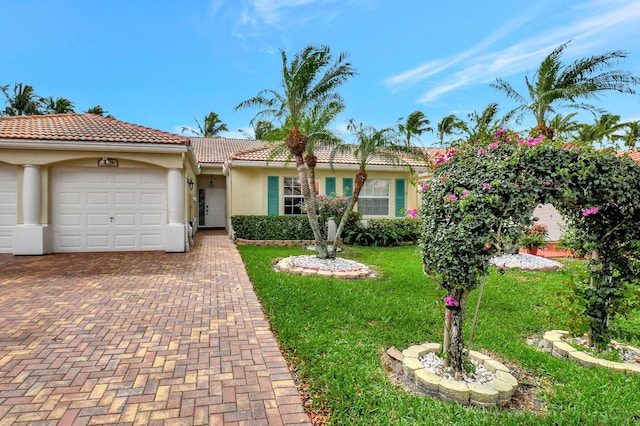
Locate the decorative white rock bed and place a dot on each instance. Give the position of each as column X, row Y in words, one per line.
column 311, row 265
column 554, row 342
column 496, row 392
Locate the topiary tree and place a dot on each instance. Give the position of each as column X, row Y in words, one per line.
column 481, row 190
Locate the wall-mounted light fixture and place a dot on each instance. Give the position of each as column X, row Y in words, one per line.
column 190, row 182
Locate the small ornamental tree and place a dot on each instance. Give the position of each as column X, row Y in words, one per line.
column 482, row 190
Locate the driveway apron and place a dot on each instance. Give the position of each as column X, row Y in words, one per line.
column 139, row 338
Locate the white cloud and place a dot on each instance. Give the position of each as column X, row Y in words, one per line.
column 604, row 22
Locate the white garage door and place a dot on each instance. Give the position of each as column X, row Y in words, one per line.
column 109, row 209
column 8, row 209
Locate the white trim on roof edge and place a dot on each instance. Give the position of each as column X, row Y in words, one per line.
column 93, row 146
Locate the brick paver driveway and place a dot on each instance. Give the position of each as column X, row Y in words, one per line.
column 139, row 338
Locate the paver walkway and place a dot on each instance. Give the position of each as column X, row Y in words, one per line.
column 139, row 338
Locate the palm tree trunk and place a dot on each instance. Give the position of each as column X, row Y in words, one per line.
column 361, row 178
column 309, row 201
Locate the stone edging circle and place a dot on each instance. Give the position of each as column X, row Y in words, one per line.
column 496, row 392
column 286, row 265
column 554, row 343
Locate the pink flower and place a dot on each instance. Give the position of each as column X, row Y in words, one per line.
column 464, row 195
column 588, row 212
column 482, row 151
column 412, row 213
column 425, row 186
column 486, row 185
column 547, row 183
column 451, row 301
column 452, row 198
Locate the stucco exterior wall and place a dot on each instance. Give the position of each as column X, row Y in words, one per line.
column 247, row 187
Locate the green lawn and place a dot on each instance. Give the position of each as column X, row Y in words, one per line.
column 334, row 333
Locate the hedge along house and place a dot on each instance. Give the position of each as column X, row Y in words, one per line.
column 255, row 182
column 83, row 183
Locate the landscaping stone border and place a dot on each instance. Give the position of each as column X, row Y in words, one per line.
column 286, row 265
column 496, row 392
column 284, row 243
column 553, row 342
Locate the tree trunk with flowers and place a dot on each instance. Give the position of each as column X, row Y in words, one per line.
column 455, row 311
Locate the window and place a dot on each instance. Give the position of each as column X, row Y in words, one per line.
column 374, row 198
column 293, row 198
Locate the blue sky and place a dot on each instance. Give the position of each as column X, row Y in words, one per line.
column 161, row 63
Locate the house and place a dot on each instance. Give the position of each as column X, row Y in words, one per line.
column 83, row 182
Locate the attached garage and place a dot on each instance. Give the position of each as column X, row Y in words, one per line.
column 8, row 206
column 108, row 209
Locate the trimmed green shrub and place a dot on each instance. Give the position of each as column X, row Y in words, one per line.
column 272, row 227
column 384, row 232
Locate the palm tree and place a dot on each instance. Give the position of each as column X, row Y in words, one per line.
column 58, row 106
column 98, row 110
column 414, row 125
column 372, row 143
column 449, row 125
column 631, row 135
column 557, row 85
column 309, row 83
column 24, row 101
column 211, row 126
column 261, row 130
column 603, row 129
column 565, row 126
column 485, row 124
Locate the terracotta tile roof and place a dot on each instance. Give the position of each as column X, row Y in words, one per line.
column 82, row 128
column 634, row 154
column 218, row 150
column 323, row 154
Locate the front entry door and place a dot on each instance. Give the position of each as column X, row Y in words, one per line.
column 212, row 207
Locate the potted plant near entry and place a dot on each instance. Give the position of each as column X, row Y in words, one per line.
column 533, row 238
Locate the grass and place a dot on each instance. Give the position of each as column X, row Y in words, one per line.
column 335, row 331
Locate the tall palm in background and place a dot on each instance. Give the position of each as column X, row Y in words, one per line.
column 309, row 82
column 555, row 85
column 58, row 106
column 23, row 101
column 449, row 125
column 565, row 126
column 261, row 130
column 605, row 128
column 372, row 143
column 631, row 136
column 485, row 124
column 211, row 126
column 415, row 124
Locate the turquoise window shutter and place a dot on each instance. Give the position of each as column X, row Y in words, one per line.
column 400, row 197
column 347, row 186
column 273, row 196
column 330, row 185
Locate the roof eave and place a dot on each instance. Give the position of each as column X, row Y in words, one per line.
column 92, row 146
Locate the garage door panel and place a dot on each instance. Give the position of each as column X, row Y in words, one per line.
column 95, row 199
column 151, row 219
column 8, row 206
column 98, row 220
column 69, row 242
column 125, row 220
column 119, row 209
column 70, row 220
column 98, row 242
column 125, row 199
column 150, row 240
column 125, row 242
